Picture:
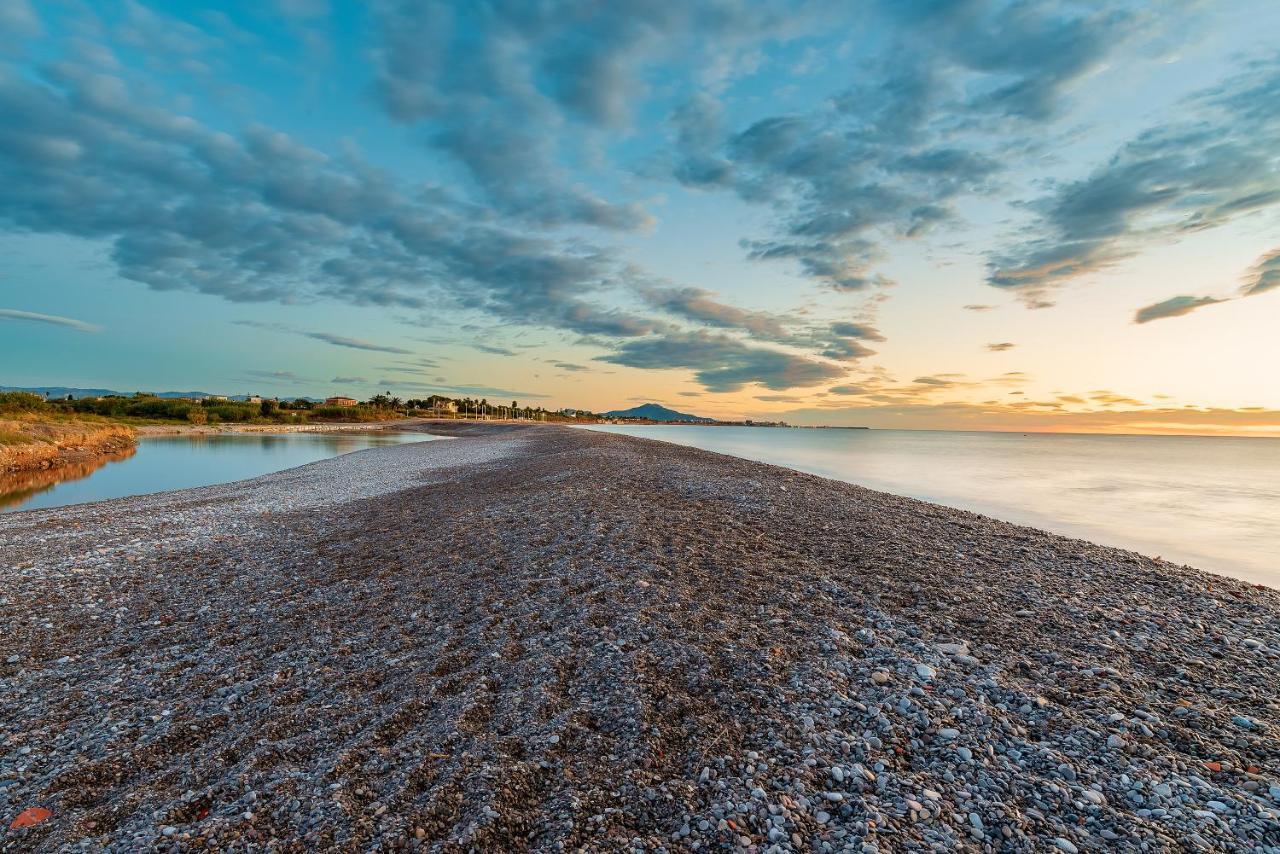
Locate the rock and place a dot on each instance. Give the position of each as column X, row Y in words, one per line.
column 880, row 677
column 948, row 733
column 1066, row 845
column 924, row 671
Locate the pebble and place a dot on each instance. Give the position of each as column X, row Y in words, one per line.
column 407, row 633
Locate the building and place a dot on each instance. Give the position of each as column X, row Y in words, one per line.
column 339, row 401
column 444, row 406
column 253, row 398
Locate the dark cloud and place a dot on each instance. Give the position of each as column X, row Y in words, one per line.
column 1001, row 346
column 289, row 376
column 260, row 217
column 354, row 343
column 847, row 390
column 571, row 367
column 847, row 350
column 51, row 319
column 497, row 351
column 978, row 307
column 700, row 306
column 349, row 381
column 721, row 362
column 507, row 86
column 1174, row 179
column 1174, row 307
column 857, row 330
column 889, row 157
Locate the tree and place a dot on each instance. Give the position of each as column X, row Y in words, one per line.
column 269, row 408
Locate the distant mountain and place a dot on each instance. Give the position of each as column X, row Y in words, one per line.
column 655, row 412
column 60, row 391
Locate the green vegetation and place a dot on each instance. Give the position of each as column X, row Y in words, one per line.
column 142, row 408
column 21, row 401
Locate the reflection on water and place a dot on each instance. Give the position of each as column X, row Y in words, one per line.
column 163, row 463
column 1212, row 502
column 19, row 487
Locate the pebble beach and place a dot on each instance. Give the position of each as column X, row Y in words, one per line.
column 549, row 639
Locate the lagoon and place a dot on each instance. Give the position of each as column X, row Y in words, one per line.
column 162, row 463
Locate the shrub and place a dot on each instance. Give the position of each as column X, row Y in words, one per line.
column 22, row 401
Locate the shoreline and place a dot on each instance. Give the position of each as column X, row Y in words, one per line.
column 49, row 446
column 529, row 638
column 178, row 429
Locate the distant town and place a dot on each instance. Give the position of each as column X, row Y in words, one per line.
column 205, row 408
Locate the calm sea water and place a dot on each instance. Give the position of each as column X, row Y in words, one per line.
column 162, row 463
column 1210, row 502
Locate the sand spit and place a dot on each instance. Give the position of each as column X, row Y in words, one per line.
column 547, row 639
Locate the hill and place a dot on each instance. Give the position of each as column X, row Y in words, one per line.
column 655, row 412
column 77, row 393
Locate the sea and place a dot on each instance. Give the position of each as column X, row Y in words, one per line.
column 1207, row 501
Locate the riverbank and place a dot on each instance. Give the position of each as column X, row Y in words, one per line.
column 30, row 442
column 535, row 637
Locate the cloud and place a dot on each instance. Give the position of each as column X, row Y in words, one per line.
column 779, row 398
column 1264, row 276
column 349, row 381
column 571, row 367
column 52, row 319
column 261, row 217
column 1001, row 346
column 889, row 157
column 722, row 363
column 857, row 330
column 847, row 390
column 1043, row 416
column 847, row 350
column 354, row 343
column 497, row 351
column 700, row 306
column 464, row 390
column 508, row 88
column 274, row 375
column 978, row 307
column 1171, row 180
column 1174, row 307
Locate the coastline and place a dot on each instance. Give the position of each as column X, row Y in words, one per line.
column 52, row 445
column 536, row 636
column 178, row 429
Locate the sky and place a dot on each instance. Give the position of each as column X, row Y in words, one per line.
column 925, row 214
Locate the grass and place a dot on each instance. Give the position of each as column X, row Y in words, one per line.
column 39, row 439
column 15, row 437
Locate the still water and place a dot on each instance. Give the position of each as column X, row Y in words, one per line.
column 162, row 463
column 1210, row 502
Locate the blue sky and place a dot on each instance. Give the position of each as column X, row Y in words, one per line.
column 919, row 213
